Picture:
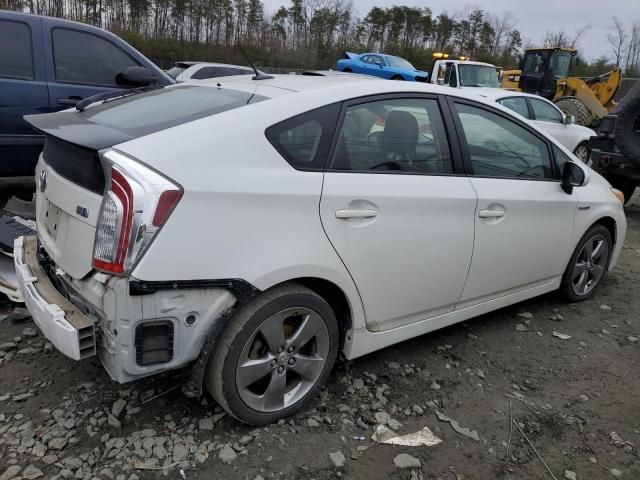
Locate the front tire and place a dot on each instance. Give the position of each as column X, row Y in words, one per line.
column 588, row 265
column 582, row 152
column 274, row 356
column 397, row 77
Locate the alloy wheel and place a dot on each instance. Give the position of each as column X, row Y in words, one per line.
column 590, row 265
column 582, row 152
column 282, row 359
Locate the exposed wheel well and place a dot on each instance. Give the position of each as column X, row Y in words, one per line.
column 610, row 224
column 334, row 296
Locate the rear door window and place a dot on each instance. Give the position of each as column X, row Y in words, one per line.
column 400, row 135
column 517, row 104
column 81, row 57
column 16, row 52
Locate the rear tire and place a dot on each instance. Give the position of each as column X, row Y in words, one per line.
column 588, row 265
column 274, row 356
column 573, row 106
column 347, row 70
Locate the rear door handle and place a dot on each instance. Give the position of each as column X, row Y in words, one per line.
column 491, row 213
column 356, row 213
column 71, row 101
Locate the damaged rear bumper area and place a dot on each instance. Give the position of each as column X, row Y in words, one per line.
column 136, row 331
column 69, row 330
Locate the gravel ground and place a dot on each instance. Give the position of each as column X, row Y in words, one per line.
column 575, row 399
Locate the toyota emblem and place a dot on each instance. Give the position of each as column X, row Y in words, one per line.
column 43, row 181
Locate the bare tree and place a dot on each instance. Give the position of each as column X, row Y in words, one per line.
column 617, row 39
column 501, row 25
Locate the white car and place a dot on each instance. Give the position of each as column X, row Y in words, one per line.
column 185, row 71
column 251, row 231
column 546, row 116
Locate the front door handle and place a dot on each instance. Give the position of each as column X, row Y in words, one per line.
column 491, row 213
column 70, row 101
column 356, row 213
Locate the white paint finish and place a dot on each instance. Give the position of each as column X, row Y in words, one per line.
column 361, row 342
column 247, row 214
column 568, row 135
column 411, row 260
column 70, row 245
column 530, row 243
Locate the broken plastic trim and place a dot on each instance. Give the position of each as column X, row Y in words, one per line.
column 241, row 289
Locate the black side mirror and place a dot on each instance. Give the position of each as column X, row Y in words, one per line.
column 136, row 77
column 572, row 176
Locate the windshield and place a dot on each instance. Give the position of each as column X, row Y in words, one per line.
column 560, row 64
column 478, row 76
column 400, row 63
column 174, row 72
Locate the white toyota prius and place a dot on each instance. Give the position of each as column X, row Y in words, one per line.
column 251, row 231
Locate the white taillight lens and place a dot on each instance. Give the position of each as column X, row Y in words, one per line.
column 137, row 202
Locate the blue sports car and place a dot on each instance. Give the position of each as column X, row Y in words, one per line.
column 380, row 65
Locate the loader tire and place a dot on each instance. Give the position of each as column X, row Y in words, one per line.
column 627, row 129
column 573, row 106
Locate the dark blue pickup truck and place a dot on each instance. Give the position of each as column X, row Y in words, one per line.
column 48, row 64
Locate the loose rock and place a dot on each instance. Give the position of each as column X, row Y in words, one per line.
column 406, row 461
column 338, row 459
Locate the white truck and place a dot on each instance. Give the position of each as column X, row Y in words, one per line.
column 461, row 72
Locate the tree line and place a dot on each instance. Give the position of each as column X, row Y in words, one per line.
column 302, row 33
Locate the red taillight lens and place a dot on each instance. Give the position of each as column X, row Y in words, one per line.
column 168, row 199
column 137, row 203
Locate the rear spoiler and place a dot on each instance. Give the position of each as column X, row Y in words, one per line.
column 349, row 55
column 72, row 127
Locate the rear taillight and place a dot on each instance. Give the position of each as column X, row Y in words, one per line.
column 137, row 203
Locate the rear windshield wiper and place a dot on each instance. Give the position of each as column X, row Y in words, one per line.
column 112, row 95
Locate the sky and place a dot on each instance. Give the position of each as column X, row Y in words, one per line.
column 534, row 17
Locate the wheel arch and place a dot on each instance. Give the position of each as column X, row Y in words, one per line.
column 610, row 224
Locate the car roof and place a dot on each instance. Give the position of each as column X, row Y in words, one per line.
column 210, row 64
column 339, row 87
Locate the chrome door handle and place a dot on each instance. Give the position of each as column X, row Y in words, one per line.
column 491, row 213
column 356, row 213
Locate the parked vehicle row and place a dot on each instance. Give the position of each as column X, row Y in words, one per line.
column 49, row 64
column 252, row 230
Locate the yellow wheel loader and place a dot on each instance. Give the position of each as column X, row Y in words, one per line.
column 545, row 72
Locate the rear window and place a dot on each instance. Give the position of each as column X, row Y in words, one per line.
column 157, row 110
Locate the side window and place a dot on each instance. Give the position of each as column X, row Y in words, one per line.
column 394, row 136
column 499, row 147
column 81, row 57
column 16, row 54
column 204, row 72
column 517, row 104
column 304, row 140
column 365, row 59
column 545, row 112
